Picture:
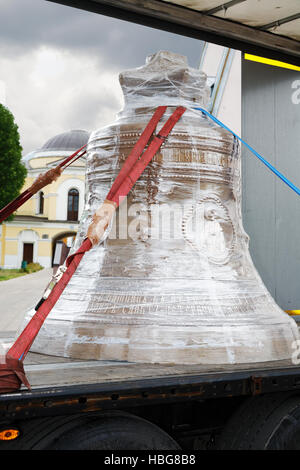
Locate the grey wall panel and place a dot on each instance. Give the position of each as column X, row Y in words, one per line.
column 271, row 211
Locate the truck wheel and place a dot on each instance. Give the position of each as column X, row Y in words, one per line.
column 269, row 422
column 115, row 431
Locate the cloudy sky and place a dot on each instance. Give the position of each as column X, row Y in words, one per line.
column 60, row 65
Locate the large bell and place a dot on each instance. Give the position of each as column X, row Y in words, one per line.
column 174, row 281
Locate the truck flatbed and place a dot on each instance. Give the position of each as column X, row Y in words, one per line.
column 60, row 384
column 50, row 371
column 192, row 403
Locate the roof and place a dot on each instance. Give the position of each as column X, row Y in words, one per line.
column 264, row 27
column 281, row 17
column 71, row 140
column 60, row 145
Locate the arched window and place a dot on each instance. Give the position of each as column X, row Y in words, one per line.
column 73, row 204
column 41, row 202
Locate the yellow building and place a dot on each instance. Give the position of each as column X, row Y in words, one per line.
column 45, row 226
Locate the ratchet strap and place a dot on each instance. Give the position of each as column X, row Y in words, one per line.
column 12, row 373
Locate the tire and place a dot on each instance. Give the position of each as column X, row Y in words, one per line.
column 115, row 431
column 270, row 422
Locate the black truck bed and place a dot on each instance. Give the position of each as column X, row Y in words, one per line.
column 68, row 385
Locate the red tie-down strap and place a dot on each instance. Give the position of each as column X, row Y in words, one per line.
column 12, row 373
column 22, row 345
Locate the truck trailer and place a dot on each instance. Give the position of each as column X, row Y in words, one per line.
column 79, row 404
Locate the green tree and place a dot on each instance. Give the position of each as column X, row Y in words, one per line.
column 12, row 171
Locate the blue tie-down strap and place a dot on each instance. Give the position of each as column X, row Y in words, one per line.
column 271, row 167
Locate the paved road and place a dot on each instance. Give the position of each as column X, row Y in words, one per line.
column 18, row 295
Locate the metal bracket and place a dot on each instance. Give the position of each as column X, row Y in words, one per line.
column 256, row 385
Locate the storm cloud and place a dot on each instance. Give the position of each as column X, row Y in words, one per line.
column 60, row 65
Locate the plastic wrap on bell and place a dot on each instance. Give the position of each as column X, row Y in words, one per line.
column 174, row 281
column 5, row 345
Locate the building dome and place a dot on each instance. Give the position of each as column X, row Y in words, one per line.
column 71, row 140
column 59, row 145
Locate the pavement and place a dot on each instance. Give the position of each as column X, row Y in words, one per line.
column 18, row 295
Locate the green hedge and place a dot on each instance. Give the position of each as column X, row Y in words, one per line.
column 33, row 267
